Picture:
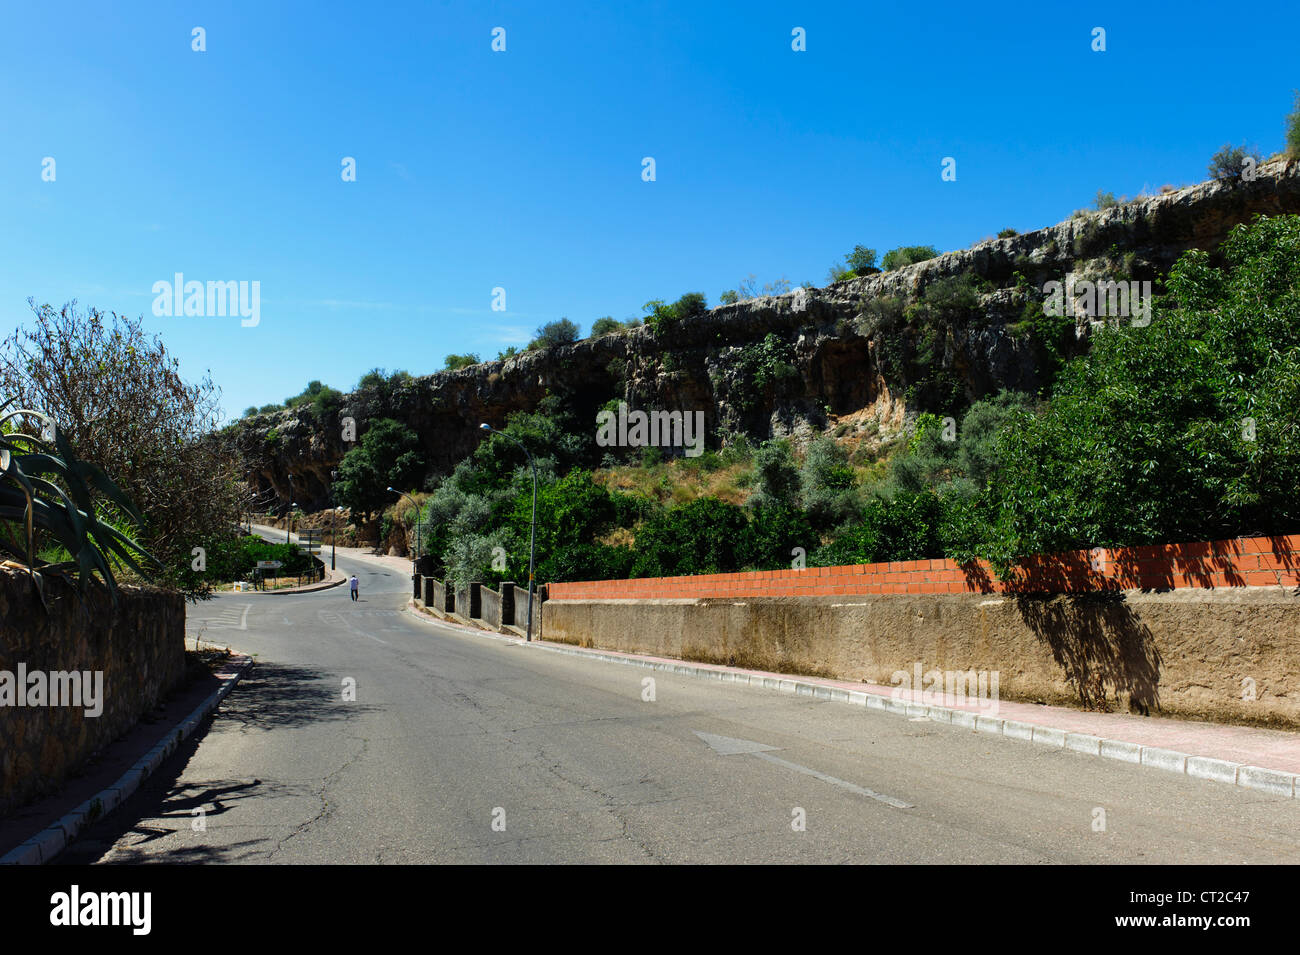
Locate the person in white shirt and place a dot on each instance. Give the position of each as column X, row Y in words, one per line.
column 355, row 584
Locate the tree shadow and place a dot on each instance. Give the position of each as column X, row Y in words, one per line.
column 1103, row 647
column 283, row 695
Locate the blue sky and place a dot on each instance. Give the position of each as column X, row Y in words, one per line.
column 522, row 169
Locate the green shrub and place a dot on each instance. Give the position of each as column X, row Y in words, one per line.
column 559, row 332
column 1007, row 233
column 760, row 369
column 774, row 531
column 826, row 483
column 705, row 536
column 776, row 474
column 906, row 527
column 908, row 255
column 1292, row 130
column 456, row 362
column 1230, row 161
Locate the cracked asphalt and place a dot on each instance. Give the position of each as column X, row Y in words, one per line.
column 468, row 749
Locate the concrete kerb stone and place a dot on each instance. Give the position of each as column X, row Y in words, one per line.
column 1166, row 759
column 1269, row 780
column 1199, row 767
column 52, row 840
column 1049, row 736
column 1115, row 749
column 1018, row 730
column 1206, row 767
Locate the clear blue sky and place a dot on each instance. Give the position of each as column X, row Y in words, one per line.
column 522, row 169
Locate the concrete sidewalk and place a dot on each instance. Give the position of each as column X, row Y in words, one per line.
column 1253, row 757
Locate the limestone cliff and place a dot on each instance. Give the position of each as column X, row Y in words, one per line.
column 930, row 336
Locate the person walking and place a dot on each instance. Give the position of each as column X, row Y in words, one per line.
column 355, row 584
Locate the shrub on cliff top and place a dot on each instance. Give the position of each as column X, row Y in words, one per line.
column 1230, row 161
column 908, row 255
column 1293, row 130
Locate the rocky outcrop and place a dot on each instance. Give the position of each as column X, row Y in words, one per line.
column 930, row 336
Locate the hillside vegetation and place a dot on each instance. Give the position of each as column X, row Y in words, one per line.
column 1187, row 428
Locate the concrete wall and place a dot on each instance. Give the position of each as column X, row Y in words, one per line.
column 139, row 648
column 1196, row 654
column 490, row 604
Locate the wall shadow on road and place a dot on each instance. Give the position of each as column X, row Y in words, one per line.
column 1104, row 648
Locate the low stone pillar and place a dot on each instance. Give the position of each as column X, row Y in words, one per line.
column 507, row 603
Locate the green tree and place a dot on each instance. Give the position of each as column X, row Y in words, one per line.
column 119, row 399
column 1183, row 430
column 861, row 261
column 559, row 332
column 387, row 455
column 1230, row 161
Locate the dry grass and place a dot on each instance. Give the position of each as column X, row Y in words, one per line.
column 679, row 482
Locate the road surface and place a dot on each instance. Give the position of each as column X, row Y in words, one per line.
column 464, row 748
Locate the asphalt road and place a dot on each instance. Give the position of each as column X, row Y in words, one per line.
column 464, row 748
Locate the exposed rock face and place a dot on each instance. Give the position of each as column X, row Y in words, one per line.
column 855, row 345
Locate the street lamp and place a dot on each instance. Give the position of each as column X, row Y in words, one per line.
column 393, row 490
column 532, row 536
column 289, row 523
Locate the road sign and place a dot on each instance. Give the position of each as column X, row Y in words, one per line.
column 269, row 565
column 310, row 539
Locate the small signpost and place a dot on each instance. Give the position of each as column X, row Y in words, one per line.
column 268, row 565
column 309, row 538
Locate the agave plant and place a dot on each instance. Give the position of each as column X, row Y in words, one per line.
column 30, row 502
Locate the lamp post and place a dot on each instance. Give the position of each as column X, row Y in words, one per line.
column 532, row 535
column 288, row 525
column 393, row 490
column 334, row 534
column 258, row 500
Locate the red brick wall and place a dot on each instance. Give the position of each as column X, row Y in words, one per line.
column 1243, row 562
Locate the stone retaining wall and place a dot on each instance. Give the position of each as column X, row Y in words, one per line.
column 138, row 648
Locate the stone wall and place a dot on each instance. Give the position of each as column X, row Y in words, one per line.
column 139, row 648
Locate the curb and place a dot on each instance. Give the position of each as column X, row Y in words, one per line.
column 48, row 843
column 1198, row 767
column 309, row 589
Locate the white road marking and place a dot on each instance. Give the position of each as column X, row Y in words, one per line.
column 728, row 746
